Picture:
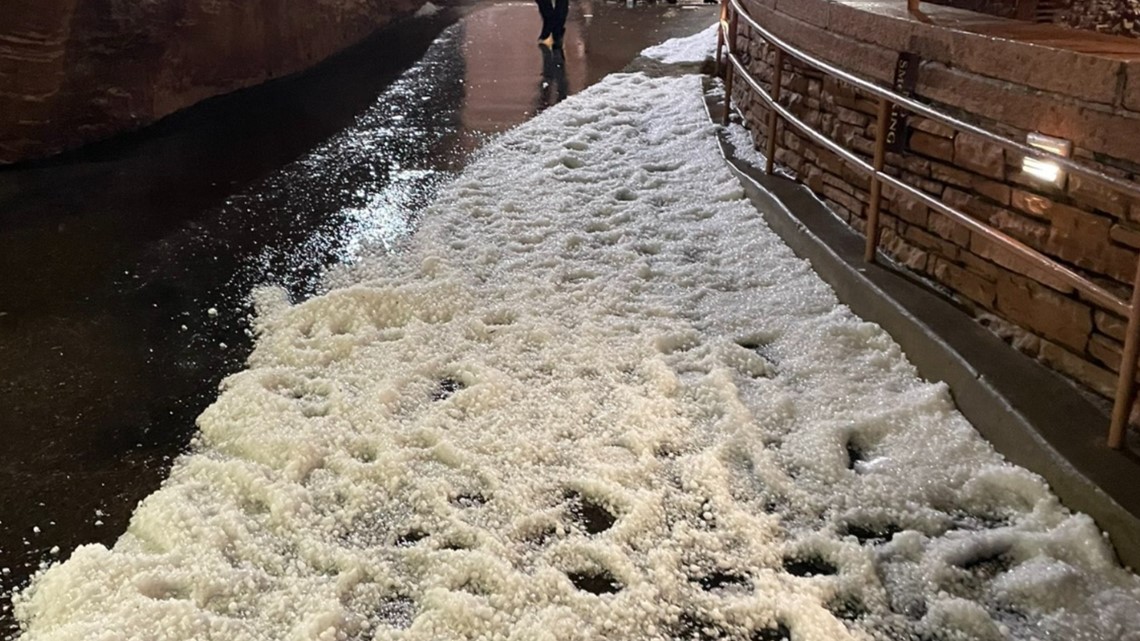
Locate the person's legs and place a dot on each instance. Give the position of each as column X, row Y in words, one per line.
column 558, row 28
column 546, row 9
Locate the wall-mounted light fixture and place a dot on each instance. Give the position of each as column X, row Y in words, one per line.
column 1047, row 171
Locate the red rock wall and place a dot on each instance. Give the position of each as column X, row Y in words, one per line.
column 76, row 71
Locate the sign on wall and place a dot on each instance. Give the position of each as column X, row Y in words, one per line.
column 904, row 82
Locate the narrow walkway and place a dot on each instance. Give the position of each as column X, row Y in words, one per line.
column 594, row 397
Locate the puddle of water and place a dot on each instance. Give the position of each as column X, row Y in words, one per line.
column 127, row 265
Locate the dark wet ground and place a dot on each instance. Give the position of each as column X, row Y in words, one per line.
column 126, row 267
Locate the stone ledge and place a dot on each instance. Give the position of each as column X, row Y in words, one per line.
column 1051, row 58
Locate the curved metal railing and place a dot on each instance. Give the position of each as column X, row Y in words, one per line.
column 732, row 11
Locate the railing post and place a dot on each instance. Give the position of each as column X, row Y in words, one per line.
column 881, row 124
column 1126, row 382
column 728, row 71
column 720, row 36
column 773, row 117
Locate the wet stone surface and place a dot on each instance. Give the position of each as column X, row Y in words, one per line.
column 846, row 607
column 397, row 612
column 445, row 388
column 696, row 628
column 410, row 538
column 809, row 566
column 693, row 628
column 588, row 515
column 871, row 533
column 724, row 580
column 778, row 633
column 469, row 500
column 596, row 582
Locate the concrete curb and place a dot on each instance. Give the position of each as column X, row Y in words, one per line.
column 1030, row 414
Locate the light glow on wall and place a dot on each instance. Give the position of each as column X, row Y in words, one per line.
column 1047, row 171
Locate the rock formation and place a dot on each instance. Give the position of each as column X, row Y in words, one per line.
column 76, row 71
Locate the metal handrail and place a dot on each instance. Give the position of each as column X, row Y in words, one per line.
column 726, row 34
column 1091, row 290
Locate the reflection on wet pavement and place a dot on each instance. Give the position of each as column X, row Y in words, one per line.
column 554, row 85
column 127, row 266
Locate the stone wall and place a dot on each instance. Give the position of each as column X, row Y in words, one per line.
column 75, row 71
column 1095, row 102
column 1118, row 17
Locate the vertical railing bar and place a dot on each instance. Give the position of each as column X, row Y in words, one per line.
column 720, row 37
column 1126, row 382
column 881, row 125
column 773, row 117
column 728, row 72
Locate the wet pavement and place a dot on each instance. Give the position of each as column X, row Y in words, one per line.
column 127, row 266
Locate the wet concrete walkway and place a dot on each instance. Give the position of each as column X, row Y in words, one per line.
column 127, row 265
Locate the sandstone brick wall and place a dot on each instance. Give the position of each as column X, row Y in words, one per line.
column 1091, row 101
